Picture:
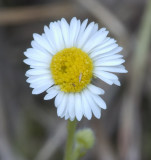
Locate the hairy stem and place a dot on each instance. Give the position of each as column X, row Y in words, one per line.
column 71, row 127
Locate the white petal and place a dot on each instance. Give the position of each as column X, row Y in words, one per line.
column 39, row 51
column 57, row 35
column 108, row 48
column 50, row 38
column 71, row 119
column 52, row 92
column 32, row 72
column 107, row 42
column 103, row 50
column 95, row 40
column 73, row 30
column 110, row 82
column 86, row 107
column 113, row 57
column 65, row 31
column 37, row 55
column 63, row 104
column 36, row 46
column 77, row 33
column 55, row 87
column 95, row 29
column 95, row 90
column 82, row 28
column 78, row 106
column 95, row 109
column 116, row 69
column 32, row 79
column 107, row 75
column 85, row 35
column 65, row 113
column 38, row 67
column 41, row 82
column 110, row 62
column 99, row 101
column 42, row 41
column 103, row 29
column 117, row 82
column 66, row 116
column 36, row 63
column 110, row 53
column 42, row 88
column 59, row 98
column 71, row 105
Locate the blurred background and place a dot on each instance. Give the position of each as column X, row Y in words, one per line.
column 29, row 126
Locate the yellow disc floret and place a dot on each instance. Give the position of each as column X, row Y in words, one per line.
column 71, row 69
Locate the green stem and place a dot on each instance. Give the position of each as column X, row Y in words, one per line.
column 71, row 127
column 76, row 153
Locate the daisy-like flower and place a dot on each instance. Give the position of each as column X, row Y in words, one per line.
column 65, row 59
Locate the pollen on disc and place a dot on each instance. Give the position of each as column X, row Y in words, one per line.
column 71, row 69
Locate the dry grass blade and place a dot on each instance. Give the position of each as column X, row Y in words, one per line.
column 12, row 16
column 130, row 129
column 106, row 18
column 53, row 143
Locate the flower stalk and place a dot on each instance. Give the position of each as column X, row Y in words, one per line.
column 71, row 127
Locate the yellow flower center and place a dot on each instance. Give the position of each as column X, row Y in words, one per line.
column 71, row 69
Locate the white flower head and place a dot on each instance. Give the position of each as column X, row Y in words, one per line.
column 64, row 60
